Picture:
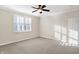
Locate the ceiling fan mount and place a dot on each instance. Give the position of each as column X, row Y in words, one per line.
column 41, row 8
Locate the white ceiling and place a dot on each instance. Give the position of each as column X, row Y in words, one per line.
column 54, row 9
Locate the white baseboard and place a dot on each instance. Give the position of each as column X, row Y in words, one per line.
column 43, row 36
column 18, row 40
column 47, row 36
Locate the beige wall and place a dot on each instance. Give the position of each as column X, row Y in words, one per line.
column 68, row 22
column 7, row 34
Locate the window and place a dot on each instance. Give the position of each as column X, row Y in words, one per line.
column 22, row 23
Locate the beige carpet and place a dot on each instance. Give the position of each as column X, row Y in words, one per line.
column 37, row 46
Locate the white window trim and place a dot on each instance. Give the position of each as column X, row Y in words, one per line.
column 15, row 24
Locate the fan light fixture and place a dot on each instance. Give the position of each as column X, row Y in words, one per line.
column 40, row 8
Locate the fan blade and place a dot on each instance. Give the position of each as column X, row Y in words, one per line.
column 43, row 6
column 39, row 6
column 34, row 11
column 35, row 8
column 46, row 10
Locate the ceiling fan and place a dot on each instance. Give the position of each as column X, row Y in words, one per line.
column 40, row 8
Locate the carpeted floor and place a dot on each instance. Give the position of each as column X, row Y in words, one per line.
column 37, row 46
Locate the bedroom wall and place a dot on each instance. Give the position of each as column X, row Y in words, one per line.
column 7, row 34
column 62, row 27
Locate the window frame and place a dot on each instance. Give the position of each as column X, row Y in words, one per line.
column 15, row 23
